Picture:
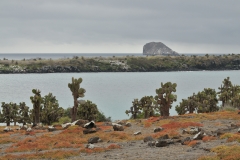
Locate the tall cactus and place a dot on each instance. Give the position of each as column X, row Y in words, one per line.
column 24, row 114
column 6, row 113
column 76, row 93
column 51, row 111
column 225, row 91
column 165, row 97
column 134, row 110
column 36, row 101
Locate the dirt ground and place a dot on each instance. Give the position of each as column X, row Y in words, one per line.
column 140, row 150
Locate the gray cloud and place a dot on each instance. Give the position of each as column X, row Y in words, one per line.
column 135, row 22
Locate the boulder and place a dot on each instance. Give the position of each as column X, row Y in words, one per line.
column 90, row 146
column 128, row 124
column 88, row 131
column 29, row 129
column 157, row 129
column 137, row 133
column 164, row 137
column 233, row 126
column 187, row 139
column 7, row 129
column 148, row 138
column 80, row 122
column 66, row 125
column 161, row 143
column 158, row 48
column 117, row 127
column 151, row 143
column 89, row 125
column 93, row 140
column 199, row 135
column 192, row 130
column 38, row 126
column 51, row 128
column 24, row 127
column 121, row 122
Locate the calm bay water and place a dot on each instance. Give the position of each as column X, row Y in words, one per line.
column 112, row 92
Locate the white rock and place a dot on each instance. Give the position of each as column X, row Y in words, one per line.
column 137, row 133
column 29, row 129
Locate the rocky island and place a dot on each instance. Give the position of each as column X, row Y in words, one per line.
column 158, row 48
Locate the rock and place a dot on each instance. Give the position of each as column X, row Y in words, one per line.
column 38, row 126
column 128, row 124
column 51, row 128
column 187, row 139
column 220, row 132
column 93, row 140
column 88, row 131
column 148, row 138
column 151, row 143
column 80, row 122
column 7, row 129
column 199, row 135
column 161, row 143
column 170, row 141
column 117, row 127
column 164, row 137
column 24, row 127
column 90, row 146
column 192, row 130
column 158, row 48
column 239, row 112
column 90, row 125
column 121, row 122
column 239, row 130
column 234, row 126
column 29, row 129
column 66, row 125
column 137, row 133
column 157, row 129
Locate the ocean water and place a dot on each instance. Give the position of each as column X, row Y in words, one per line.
column 112, row 92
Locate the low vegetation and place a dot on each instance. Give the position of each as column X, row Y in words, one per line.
column 122, row 64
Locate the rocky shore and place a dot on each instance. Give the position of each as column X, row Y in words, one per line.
column 122, row 64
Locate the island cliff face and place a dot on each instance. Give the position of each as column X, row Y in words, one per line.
column 158, row 48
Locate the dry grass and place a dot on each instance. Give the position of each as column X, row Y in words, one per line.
column 231, row 137
column 58, row 154
column 208, row 138
column 224, row 153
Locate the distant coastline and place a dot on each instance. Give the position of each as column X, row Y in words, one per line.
column 20, row 56
column 68, row 63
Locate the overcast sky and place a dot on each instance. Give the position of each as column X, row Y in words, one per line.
column 119, row 26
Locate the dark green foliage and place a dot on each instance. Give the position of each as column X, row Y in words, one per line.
column 229, row 94
column 9, row 113
column 203, row 102
column 76, row 93
column 134, row 110
column 102, row 118
column 165, row 98
column 207, row 101
column 146, row 105
column 6, row 116
column 88, row 111
column 36, row 101
column 51, row 112
column 24, row 114
column 67, row 112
